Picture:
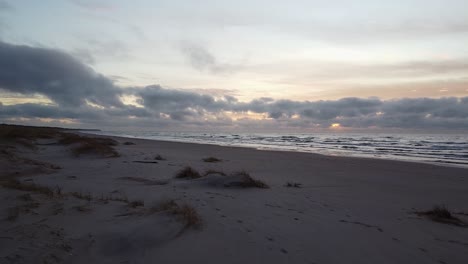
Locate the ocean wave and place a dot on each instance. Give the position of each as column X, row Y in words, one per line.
column 448, row 149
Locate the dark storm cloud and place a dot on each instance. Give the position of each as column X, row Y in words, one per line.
column 160, row 99
column 320, row 110
column 448, row 113
column 454, row 108
column 75, row 89
column 55, row 74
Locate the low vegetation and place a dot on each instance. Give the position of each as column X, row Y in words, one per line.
column 441, row 214
column 82, row 196
column 69, row 138
column 27, row 132
column 248, row 182
column 85, row 208
column 188, row 173
column 26, row 143
column 293, row 184
column 27, row 136
column 211, row 159
column 57, row 193
column 90, row 145
column 185, row 213
column 237, row 179
column 90, row 148
column 159, row 157
column 136, row 203
column 31, row 187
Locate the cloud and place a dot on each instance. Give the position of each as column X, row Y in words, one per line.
column 203, row 60
column 79, row 93
column 179, row 104
column 55, row 74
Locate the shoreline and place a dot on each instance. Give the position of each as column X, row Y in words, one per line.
column 357, row 156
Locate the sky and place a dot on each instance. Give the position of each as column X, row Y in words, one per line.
column 298, row 66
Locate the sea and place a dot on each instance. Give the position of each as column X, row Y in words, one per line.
column 442, row 149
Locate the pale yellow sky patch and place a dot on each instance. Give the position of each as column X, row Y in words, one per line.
column 12, row 99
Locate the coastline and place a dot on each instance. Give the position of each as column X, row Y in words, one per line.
column 353, row 156
column 107, row 208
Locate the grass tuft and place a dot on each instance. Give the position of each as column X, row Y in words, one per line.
column 159, row 157
column 188, row 172
column 293, row 184
column 136, row 203
column 83, row 208
column 249, row 182
column 185, row 213
column 30, row 187
column 439, row 213
column 79, row 195
column 211, row 159
column 189, row 216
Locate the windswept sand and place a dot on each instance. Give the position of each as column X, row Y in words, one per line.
column 348, row 210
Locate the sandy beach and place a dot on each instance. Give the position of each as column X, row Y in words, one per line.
column 65, row 202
